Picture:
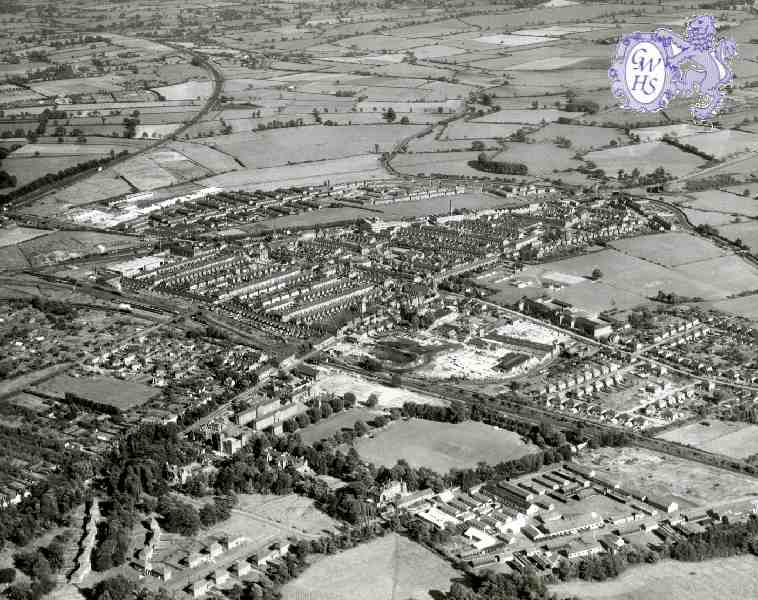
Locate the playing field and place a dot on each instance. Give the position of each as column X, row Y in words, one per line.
column 724, row 578
column 442, row 446
column 691, row 483
column 386, row 568
column 669, row 249
column 738, row 440
column 103, row 391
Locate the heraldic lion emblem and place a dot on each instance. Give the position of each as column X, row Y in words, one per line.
column 651, row 69
column 708, row 60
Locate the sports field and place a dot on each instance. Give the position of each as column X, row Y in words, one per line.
column 442, row 446
column 386, row 568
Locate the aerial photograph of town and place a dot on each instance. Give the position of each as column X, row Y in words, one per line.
column 378, row 300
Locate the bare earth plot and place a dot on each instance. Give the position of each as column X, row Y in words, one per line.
column 339, row 383
column 293, row 511
column 690, row 482
column 386, row 568
column 442, row 446
column 725, row 578
column 738, row 440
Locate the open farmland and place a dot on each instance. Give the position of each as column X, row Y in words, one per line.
column 391, row 566
column 646, row 157
column 292, row 145
column 689, row 483
column 738, row 440
column 732, row 577
column 669, row 249
column 442, row 446
column 104, row 391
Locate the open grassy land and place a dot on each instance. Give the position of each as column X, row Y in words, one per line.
column 328, row 427
column 738, row 440
column 645, row 157
column 386, row 568
column 442, row 446
column 732, row 577
column 690, row 483
column 121, row 395
column 293, row 511
column 669, row 249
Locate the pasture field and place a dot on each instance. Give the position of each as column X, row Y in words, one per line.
column 441, row 206
column 465, row 130
column 211, row 159
column 690, row 483
column 87, row 151
column 326, row 428
column 726, row 142
column 723, row 202
column 87, row 85
column 582, row 137
column 526, row 116
column 429, row 144
column 283, row 146
column 509, row 40
column 541, row 159
column 388, row 567
column 646, row 157
column 679, row 130
column 669, row 249
column 118, row 394
column 738, row 440
column 442, row 446
column 732, row 273
column 732, row 577
column 707, row 217
column 27, row 169
column 10, row 236
column 339, row 383
column 156, row 130
column 744, row 306
column 747, row 232
column 444, row 163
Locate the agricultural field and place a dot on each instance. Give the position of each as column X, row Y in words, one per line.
column 391, row 566
column 719, row 201
column 732, row 577
column 442, row 446
column 646, row 157
column 669, row 249
column 115, row 393
column 687, row 482
column 738, row 440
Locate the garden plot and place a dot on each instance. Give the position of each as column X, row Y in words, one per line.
column 646, row 157
column 669, row 249
column 339, row 383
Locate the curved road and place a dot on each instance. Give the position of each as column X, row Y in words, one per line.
column 218, row 81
